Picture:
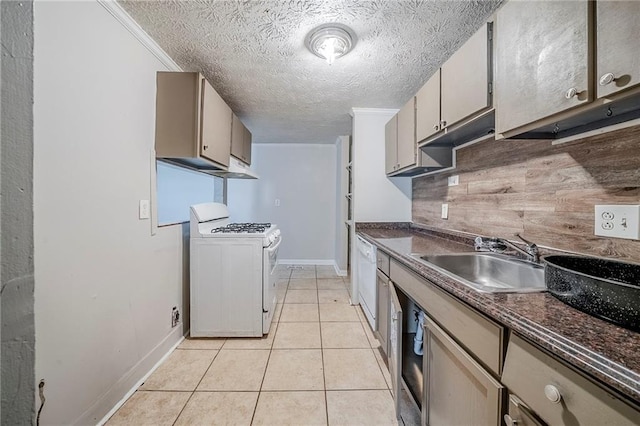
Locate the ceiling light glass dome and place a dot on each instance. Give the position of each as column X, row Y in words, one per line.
column 330, row 41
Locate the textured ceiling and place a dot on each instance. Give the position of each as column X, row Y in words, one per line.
column 253, row 53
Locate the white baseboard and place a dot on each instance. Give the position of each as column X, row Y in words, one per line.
column 113, row 399
column 322, row 262
column 329, row 262
column 339, row 272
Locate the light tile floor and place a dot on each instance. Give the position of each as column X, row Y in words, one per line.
column 319, row 364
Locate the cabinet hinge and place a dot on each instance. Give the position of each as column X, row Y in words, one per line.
column 490, row 31
column 490, row 88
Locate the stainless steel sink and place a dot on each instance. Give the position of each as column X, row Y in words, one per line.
column 490, row 272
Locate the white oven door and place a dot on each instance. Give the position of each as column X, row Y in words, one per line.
column 269, row 298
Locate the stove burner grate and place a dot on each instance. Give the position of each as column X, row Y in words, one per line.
column 242, row 228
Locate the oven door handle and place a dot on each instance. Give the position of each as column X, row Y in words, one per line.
column 273, row 248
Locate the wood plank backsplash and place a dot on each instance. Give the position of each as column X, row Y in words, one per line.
column 545, row 192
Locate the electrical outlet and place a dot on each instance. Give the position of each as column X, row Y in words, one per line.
column 445, row 211
column 175, row 316
column 144, row 211
column 453, row 180
column 277, row 202
column 618, row 221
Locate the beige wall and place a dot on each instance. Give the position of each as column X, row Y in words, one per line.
column 546, row 192
column 104, row 285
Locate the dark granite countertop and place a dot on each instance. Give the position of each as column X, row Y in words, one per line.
column 609, row 353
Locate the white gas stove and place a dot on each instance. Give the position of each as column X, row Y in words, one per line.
column 232, row 274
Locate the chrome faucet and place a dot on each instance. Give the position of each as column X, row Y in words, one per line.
column 499, row 245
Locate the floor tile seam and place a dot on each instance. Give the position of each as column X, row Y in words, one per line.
column 346, row 347
column 200, row 349
column 380, row 367
column 226, row 391
column 183, row 407
column 208, row 368
column 358, row 390
column 366, row 326
column 264, row 374
column 295, row 349
column 217, row 351
column 355, row 389
column 324, row 368
column 287, row 390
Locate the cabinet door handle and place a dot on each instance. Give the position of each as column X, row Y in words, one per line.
column 571, row 93
column 436, row 127
column 553, row 394
column 443, row 124
column 205, row 147
column 607, row 78
column 510, row 421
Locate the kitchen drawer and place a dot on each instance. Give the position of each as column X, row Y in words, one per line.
column 520, row 414
column 383, row 261
column 535, row 376
column 479, row 335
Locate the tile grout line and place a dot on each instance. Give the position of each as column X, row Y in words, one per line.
column 198, row 384
column 255, row 408
column 324, row 376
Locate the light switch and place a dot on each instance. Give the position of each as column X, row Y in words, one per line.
column 445, row 211
column 277, row 202
column 144, row 211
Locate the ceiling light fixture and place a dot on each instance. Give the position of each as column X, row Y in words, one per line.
column 330, row 41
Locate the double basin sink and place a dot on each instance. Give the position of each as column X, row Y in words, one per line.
column 608, row 289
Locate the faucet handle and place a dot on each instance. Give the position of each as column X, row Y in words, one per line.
column 478, row 243
column 527, row 242
column 532, row 249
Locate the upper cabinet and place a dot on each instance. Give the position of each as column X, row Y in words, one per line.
column 193, row 123
column 618, row 44
column 542, row 57
column 466, row 79
column 428, row 108
column 460, row 89
column 247, row 145
column 391, row 145
column 240, row 141
column 407, row 134
column 400, row 139
column 451, row 108
column 566, row 67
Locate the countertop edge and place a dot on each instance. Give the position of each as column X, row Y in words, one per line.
column 604, row 370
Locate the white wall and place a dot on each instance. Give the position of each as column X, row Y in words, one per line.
column 377, row 198
column 303, row 178
column 104, row 286
column 178, row 188
column 342, row 188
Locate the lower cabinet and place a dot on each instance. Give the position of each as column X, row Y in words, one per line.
column 382, row 318
column 456, row 376
column 520, row 415
column 395, row 347
column 557, row 394
column 458, row 391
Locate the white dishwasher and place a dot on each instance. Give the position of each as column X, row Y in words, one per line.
column 367, row 279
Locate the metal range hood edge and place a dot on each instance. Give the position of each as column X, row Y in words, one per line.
column 237, row 170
